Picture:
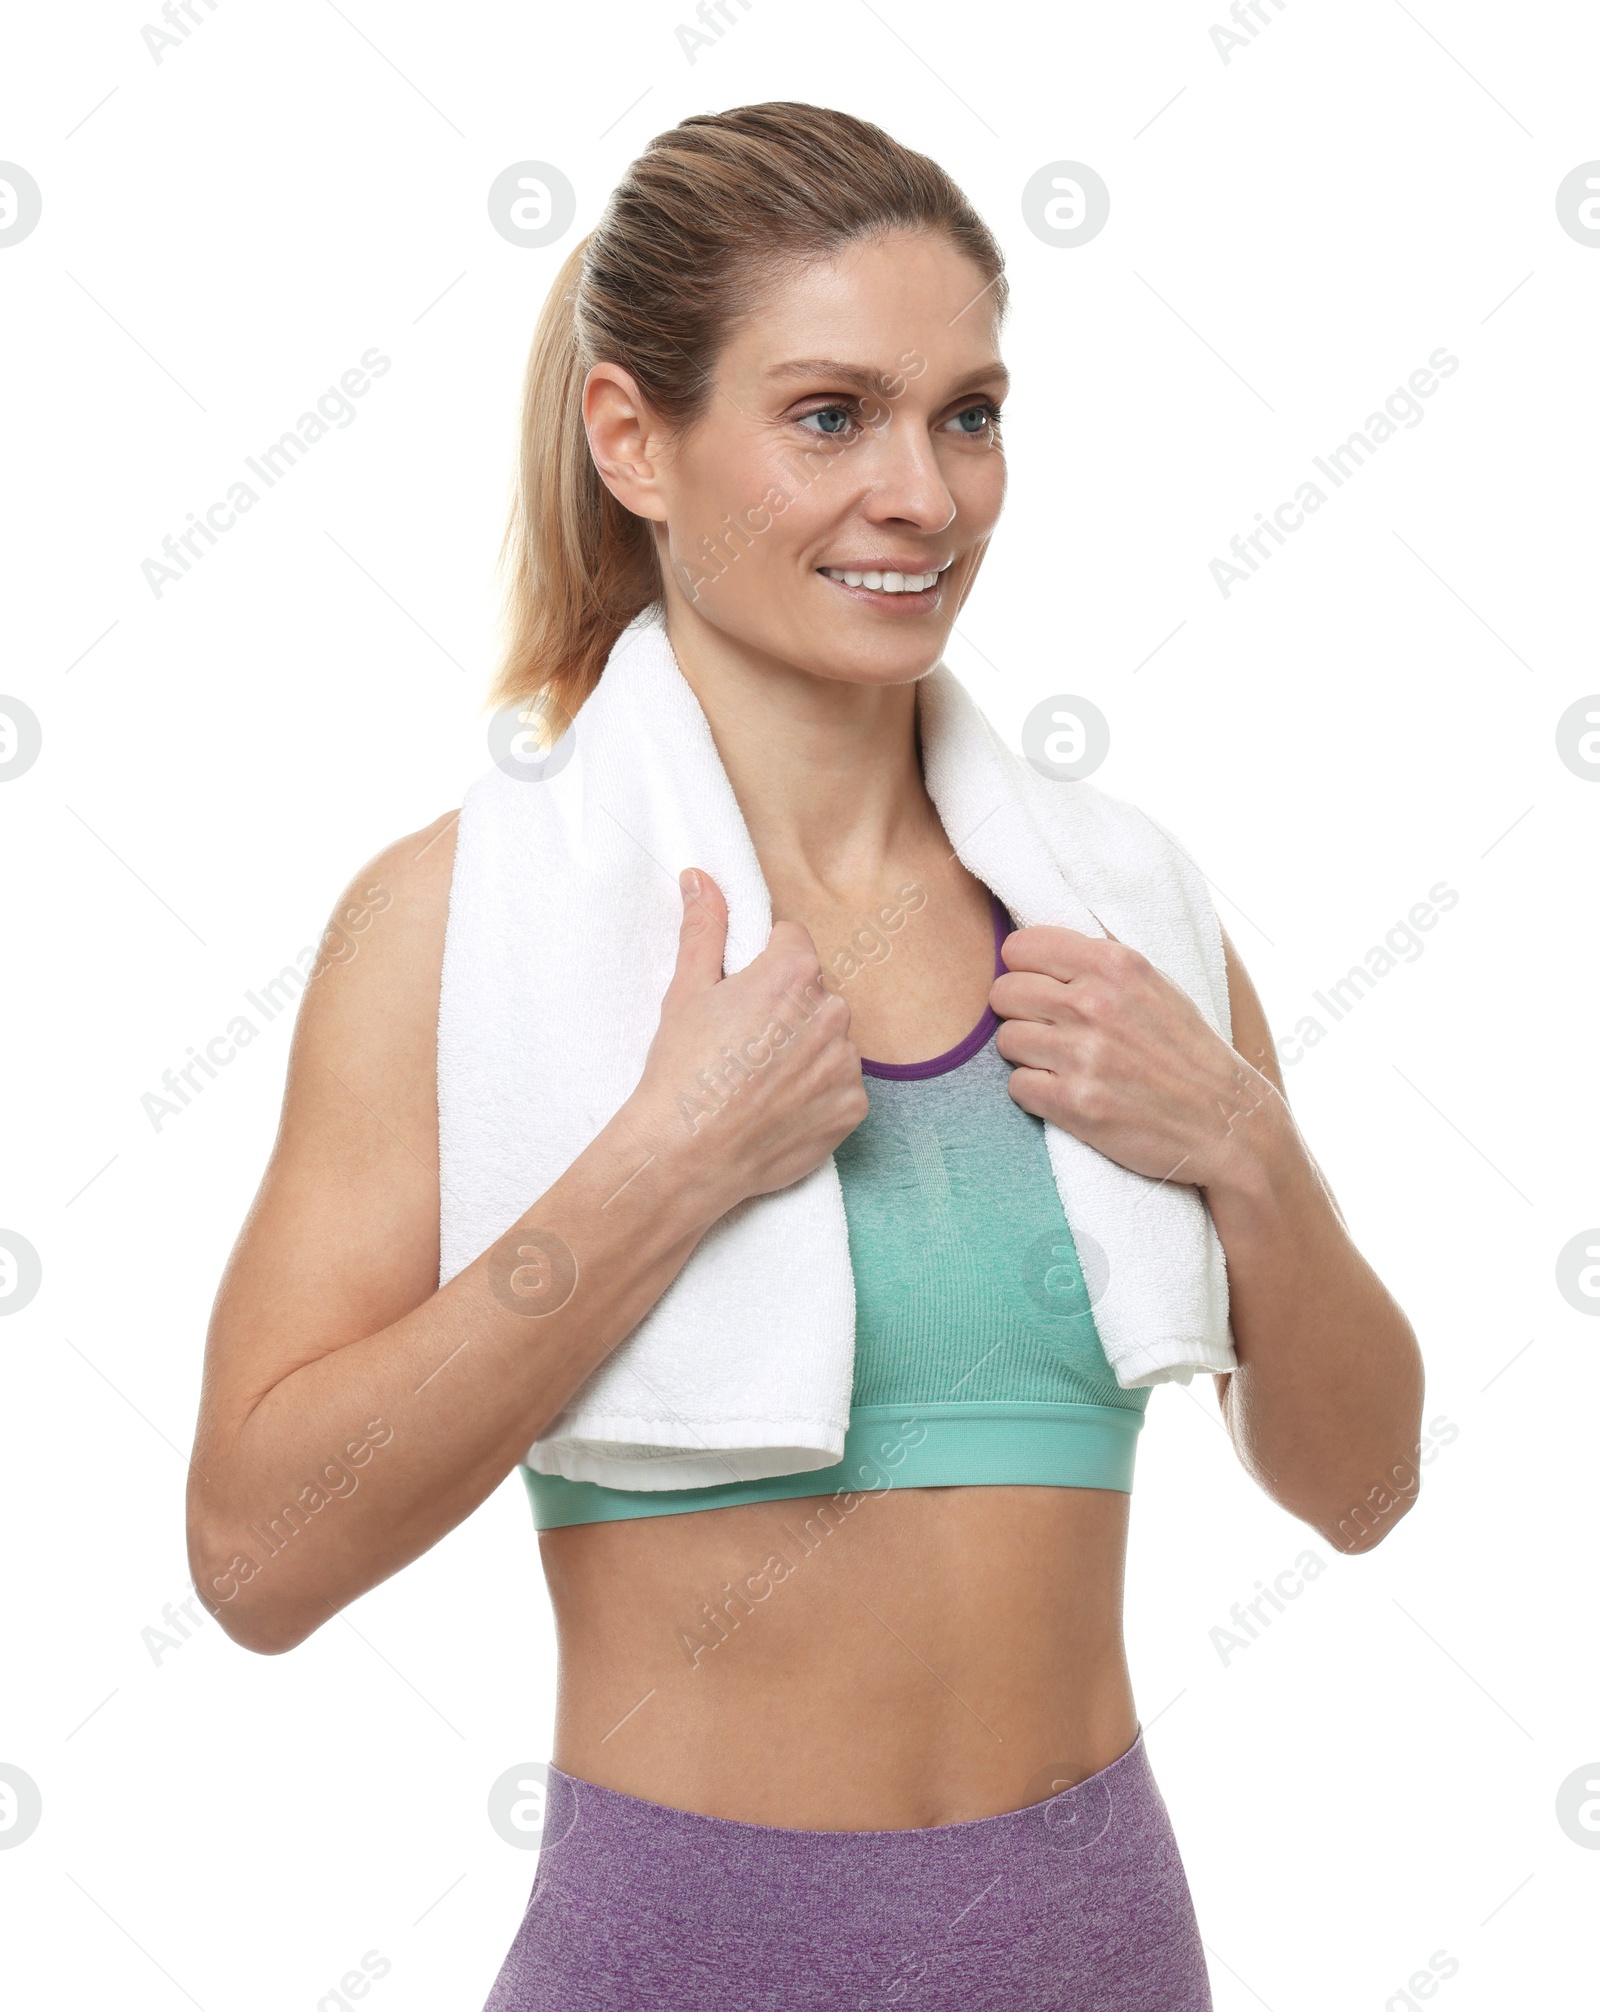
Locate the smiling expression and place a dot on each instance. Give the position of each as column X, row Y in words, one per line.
column 831, row 505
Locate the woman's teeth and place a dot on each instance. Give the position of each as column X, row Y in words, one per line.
column 884, row 583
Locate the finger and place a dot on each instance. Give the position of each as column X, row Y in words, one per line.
column 793, row 936
column 702, row 936
column 1030, row 1089
column 1029, row 995
column 1054, row 951
column 1026, row 1045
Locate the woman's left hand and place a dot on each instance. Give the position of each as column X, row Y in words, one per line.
column 1108, row 1048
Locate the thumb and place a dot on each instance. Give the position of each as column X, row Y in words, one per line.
column 703, row 935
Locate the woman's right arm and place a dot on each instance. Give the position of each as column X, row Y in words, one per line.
column 353, row 1410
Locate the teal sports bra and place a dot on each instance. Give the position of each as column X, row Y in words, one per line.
column 977, row 1361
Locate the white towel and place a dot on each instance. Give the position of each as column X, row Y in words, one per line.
column 562, row 937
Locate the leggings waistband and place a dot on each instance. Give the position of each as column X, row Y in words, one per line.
column 1078, row 1812
column 1077, row 1903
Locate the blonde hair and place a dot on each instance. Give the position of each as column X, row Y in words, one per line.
column 699, row 225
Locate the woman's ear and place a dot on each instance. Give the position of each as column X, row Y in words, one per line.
column 623, row 440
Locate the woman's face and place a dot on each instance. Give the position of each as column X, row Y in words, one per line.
column 850, row 431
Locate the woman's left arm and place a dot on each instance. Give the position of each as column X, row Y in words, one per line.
column 1325, row 1408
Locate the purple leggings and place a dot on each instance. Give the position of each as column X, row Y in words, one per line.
column 1075, row 1904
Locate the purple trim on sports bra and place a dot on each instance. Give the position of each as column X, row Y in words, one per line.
column 968, row 1046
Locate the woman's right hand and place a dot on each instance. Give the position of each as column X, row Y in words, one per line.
column 751, row 1081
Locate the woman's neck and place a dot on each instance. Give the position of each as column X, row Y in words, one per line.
column 826, row 771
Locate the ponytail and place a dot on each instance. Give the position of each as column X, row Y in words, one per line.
column 579, row 566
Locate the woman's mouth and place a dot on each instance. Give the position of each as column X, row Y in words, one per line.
column 886, row 586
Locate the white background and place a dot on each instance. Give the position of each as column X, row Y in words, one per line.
column 1292, row 233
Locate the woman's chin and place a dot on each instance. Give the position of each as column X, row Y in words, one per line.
column 836, row 642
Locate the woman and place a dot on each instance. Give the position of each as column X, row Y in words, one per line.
column 800, row 1759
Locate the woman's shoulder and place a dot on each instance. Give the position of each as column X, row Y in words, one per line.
column 398, row 902
column 351, row 1190
column 374, row 989
column 419, row 865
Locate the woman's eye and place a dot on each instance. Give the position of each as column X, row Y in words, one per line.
column 836, row 420
column 977, row 420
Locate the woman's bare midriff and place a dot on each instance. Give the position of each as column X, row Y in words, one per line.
column 925, row 1656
